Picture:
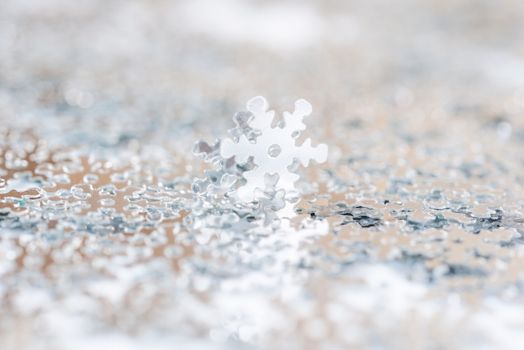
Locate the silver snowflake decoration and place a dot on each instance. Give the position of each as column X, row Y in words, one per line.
column 273, row 150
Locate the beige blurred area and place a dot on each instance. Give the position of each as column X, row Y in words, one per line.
column 451, row 55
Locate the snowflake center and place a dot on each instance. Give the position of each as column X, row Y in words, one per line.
column 274, row 151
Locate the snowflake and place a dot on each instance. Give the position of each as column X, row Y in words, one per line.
column 272, row 150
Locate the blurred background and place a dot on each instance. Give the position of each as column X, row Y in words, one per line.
column 173, row 59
